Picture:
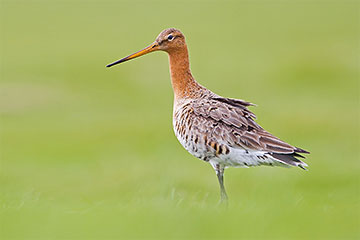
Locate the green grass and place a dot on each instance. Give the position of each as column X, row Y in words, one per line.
column 89, row 153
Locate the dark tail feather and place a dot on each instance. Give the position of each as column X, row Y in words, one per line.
column 299, row 150
column 290, row 159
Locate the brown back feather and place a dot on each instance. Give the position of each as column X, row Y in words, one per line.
column 238, row 126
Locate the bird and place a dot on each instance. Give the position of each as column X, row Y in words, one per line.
column 218, row 130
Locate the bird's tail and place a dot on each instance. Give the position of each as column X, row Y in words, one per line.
column 291, row 159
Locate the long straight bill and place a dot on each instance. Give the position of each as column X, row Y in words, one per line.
column 151, row 48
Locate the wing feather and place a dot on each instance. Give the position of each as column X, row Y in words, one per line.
column 235, row 124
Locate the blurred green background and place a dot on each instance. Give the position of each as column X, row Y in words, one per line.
column 89, row 152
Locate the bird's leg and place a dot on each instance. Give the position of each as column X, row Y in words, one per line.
column 220, row 174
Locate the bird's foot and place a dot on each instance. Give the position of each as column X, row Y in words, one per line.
column 223, row 200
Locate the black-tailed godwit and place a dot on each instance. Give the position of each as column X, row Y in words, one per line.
column 218, row 130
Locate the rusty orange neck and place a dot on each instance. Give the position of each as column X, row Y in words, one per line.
column 183, row 83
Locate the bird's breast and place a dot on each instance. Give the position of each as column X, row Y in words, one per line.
column 189, row 132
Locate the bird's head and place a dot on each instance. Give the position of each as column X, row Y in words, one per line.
column 169, row 40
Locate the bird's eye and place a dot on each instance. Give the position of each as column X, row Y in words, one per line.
column 170, row 37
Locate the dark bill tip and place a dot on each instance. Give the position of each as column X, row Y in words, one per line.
column 117, row 62
column 146, row 50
